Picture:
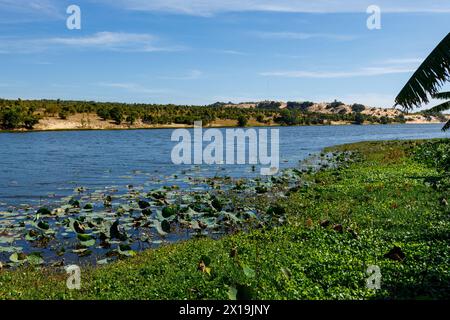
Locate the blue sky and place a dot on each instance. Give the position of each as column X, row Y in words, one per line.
column 203, row 51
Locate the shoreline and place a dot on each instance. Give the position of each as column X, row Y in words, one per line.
column 181, row 126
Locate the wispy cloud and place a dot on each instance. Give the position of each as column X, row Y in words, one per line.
column 119, row 41
column 404, row 61
column 289, row 56
column 363, row 72
column 41, row 63
column 211, row 7
column 303, row 36
column 131, row 87
column 191, row 75
column 111, row 41
column 231, row 52
column 13, row 11
column 385, row 67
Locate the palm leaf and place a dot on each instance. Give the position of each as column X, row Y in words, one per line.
column 439, row 108
column 447, row 126
column 428, row 78
column 442, row 95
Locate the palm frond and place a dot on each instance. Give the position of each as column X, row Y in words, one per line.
column 447, row 126
column 442, row 95
column 428, row 78
column 439, row 108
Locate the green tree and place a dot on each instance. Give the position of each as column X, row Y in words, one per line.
column 103, row 113
column 116, row 114
column 242, row 121
column 359, row 118
column 131, row 118
column 11, row 118
column 29, row 121
column 63, row 114
column 384, row 120
column 358, row 108
column 260, row 118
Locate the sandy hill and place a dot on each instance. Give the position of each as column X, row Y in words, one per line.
column 342, row 108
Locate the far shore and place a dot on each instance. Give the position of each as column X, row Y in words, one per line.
column 92, row 123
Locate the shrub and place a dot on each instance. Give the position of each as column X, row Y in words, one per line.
column 336, row 104
column 359, row 118
column 242, row 121
column 435, row 154
column 300, row 105
column 358, row 108
column 11, row 118
column 116, row 114
column 269, row 105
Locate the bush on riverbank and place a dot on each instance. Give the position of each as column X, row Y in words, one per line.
column 17, row 117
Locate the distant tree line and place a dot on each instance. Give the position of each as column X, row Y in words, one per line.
column 16, row 114
column 25, row 114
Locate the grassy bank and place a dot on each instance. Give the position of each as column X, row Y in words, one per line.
column 345, row 220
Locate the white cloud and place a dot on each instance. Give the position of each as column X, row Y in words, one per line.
column 363, row 72
column 104, row 39
column 404, row 61
column 303, row 36
column 112, row 41
column 12, row 11
column 378, row 100
column 385, row 67
column 289, row 56
column 231, row 52
column 191, row 75
column 211, row 7
column 131, row 87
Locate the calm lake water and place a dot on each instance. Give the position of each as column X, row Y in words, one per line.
column 42, row 165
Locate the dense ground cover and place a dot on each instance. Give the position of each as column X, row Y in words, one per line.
column 388, row 209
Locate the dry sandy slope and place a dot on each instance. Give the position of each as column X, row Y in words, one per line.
column 93, row 122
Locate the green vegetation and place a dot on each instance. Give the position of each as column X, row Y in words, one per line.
column 25, row 114
column 268, row 105
column 16, row 115
column 299, row 105
column 359, row 118
column 242, row 121
column 383, row 209
column 358, row 108
column 428, row 79
column 297, row 116
column 335, row 104
column 435, row 154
